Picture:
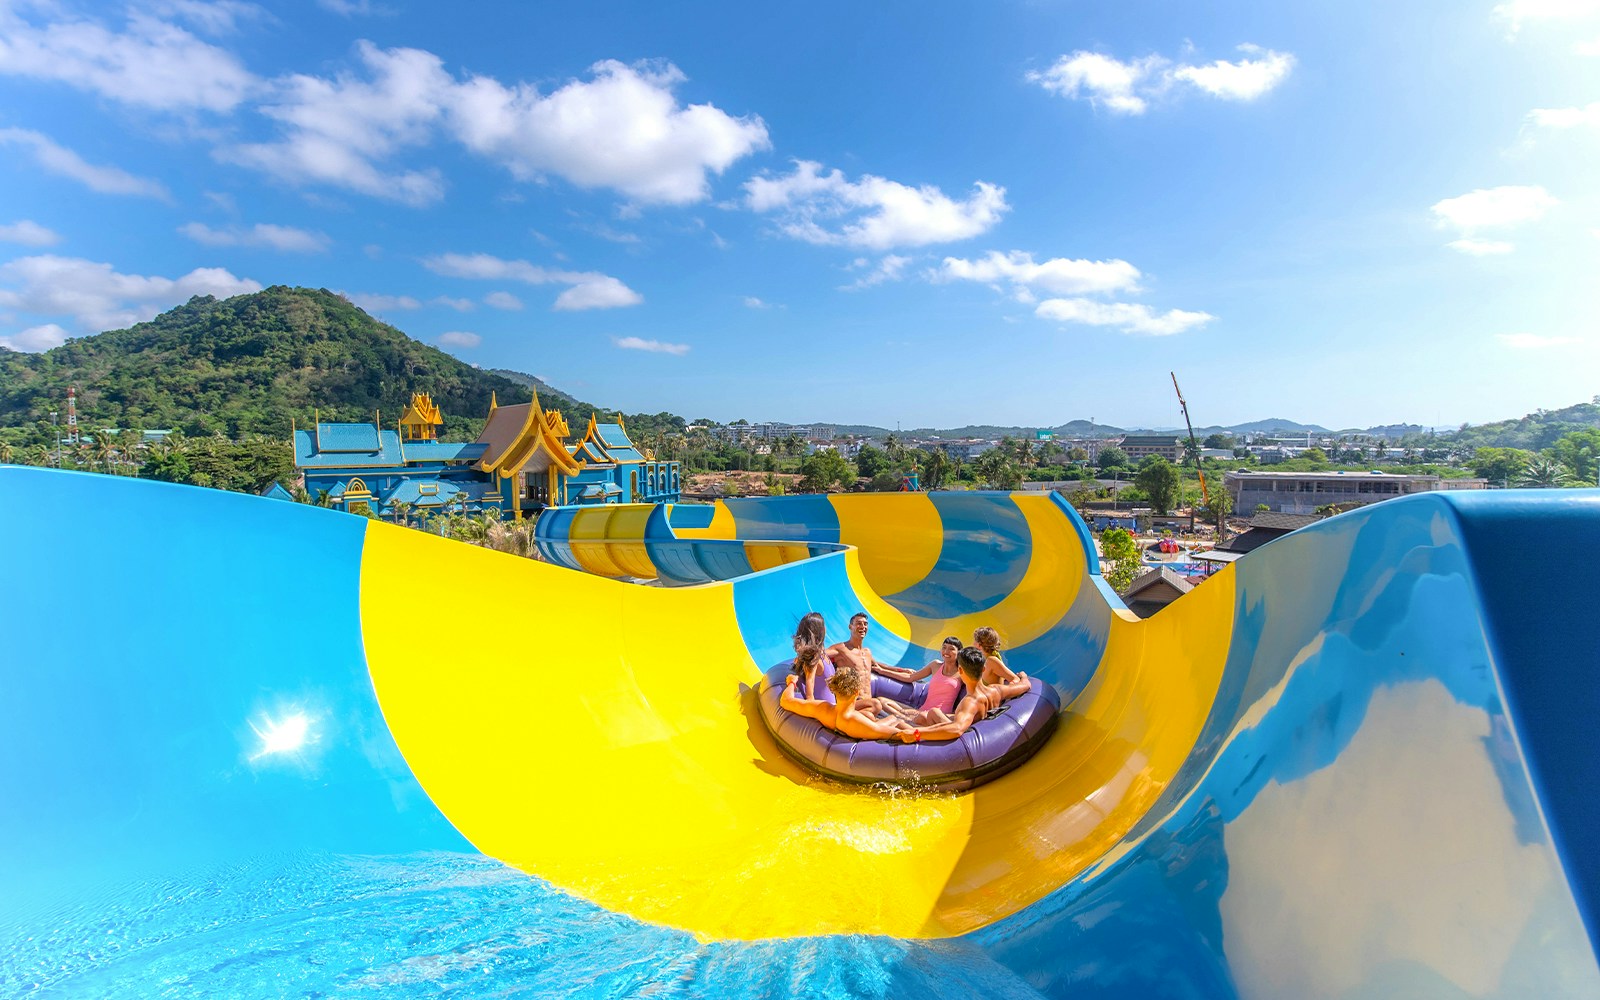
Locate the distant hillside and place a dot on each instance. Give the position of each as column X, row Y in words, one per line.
column 249, row 364
column 549, row 395
column 1535, row 431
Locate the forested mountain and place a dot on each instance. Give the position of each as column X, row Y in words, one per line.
column 247, row 365
column 1535, row 431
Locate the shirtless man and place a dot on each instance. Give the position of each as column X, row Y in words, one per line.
column 843, row 715
column 851, row 656
column 982, row 699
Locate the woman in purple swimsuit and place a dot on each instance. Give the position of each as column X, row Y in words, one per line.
column 814, row 678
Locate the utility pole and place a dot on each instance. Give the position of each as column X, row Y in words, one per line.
column 55, row 432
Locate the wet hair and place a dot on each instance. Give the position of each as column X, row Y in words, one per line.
column 951, row 640
column 859, row 614
column 987, row 639
column 845, row 684
column 811, row 630
column 806, row 654
column 971, row 660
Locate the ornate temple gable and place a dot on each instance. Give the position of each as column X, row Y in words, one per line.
column 614, row 438
column 525, row 438
column 422, row 419
column 591, row 448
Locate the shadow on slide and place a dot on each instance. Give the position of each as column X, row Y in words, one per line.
column 245, row 743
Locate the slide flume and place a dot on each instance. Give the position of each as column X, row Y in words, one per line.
column 1271, row 788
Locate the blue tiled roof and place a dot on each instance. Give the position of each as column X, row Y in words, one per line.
column 275, row 491
column 616, row 441
column 384, row 448
column 444, row 451
column 422, row 493
column 598, row 490
column 347, row 437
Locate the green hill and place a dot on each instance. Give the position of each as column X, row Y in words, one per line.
column 249, row 364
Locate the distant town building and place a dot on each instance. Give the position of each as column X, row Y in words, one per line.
column 1304, row 492
column 521, row 463
column 1138, row 447
column 769, row 432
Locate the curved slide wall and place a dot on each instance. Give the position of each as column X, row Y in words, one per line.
column 1353, row 765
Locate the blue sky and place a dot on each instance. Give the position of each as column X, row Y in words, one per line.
column 888, row 213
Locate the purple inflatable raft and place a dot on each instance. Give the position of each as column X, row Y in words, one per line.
column 992, row 746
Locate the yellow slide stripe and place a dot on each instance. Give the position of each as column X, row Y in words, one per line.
column 899, row 534
column 1056, row 569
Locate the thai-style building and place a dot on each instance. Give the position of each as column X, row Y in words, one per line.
column 520, row 464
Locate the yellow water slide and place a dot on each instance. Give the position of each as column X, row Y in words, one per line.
column 604, row 735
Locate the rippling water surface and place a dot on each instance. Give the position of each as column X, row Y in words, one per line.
column 431, row 924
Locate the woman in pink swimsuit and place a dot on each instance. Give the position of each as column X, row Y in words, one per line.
column 944, row 686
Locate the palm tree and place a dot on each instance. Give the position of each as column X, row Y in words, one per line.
column 894, row 449
column 1025, row 456
column 1544, row 472
column 39, row 455
column 105, row 451
column 6, row 453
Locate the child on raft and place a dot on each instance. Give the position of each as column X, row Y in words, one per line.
column 813, row 682
column 982, row 698
column 843, row 714
column 994, row 669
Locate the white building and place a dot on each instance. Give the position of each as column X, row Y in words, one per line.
column 1304, row 492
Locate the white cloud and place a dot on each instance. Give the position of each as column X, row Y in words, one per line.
column 1057, row 276
column 285, row 238
column 338, row 128
column 1129, row 87
column 1518, row 12
column 1533, row 341
column 1129, row 317
column 600, row 292
column 29, row 234
column 1588, row 115
column 374, row 302
column 97, row 298
column 503, row 300
column 890, row 268
column 459, row 305
column 1492, row 208
column 36, row 338
column 1588, row 48
column 1244, row 80
column 151, row 63
column 622, row 129
column 751, row 302
column 64, row 162
column 1482, row 248
column 1102, row 80
column 214, row 17
column 352, row 8
column 460, row 338
column 874, row 213
column 640, row 344
column 590, row 289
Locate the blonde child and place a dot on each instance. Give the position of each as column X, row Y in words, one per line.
column 994, row 669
